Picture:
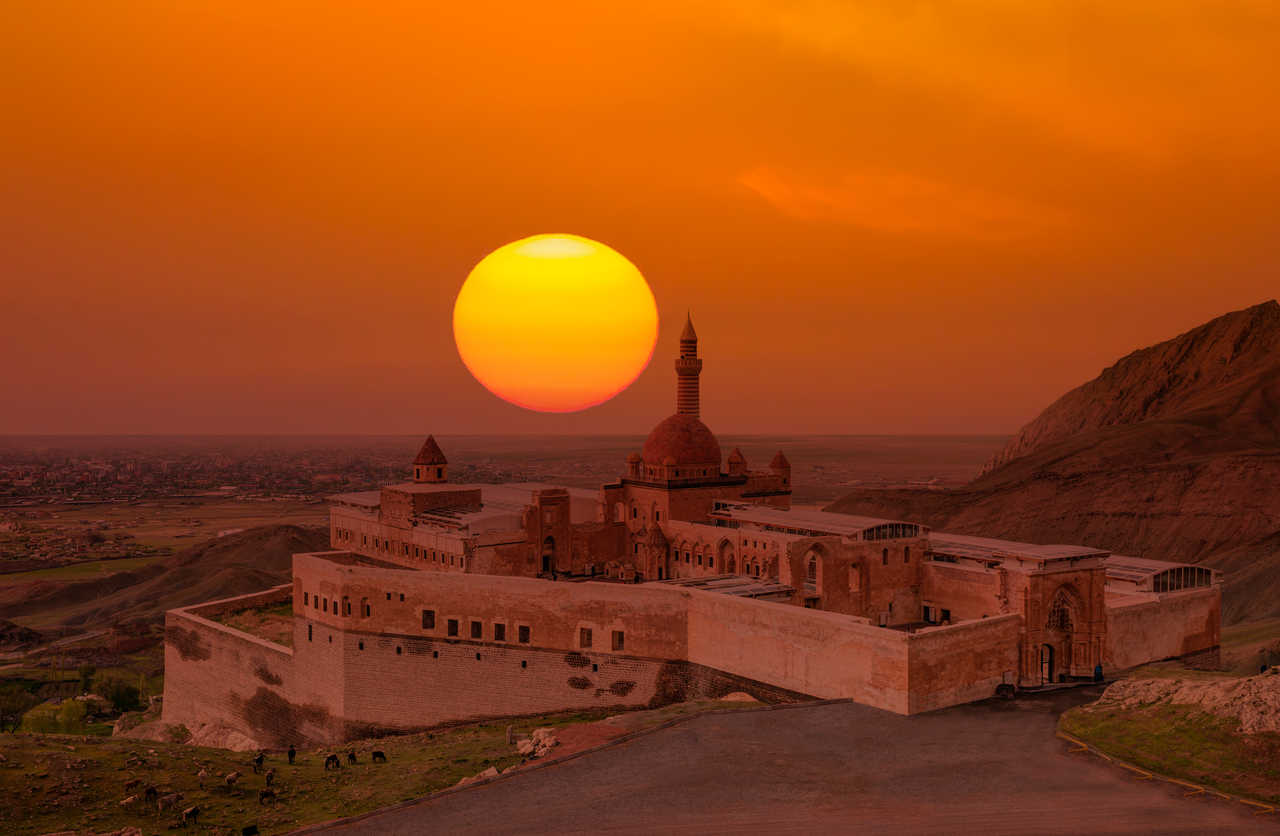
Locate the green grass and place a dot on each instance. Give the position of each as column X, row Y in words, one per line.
column 85, row 570
column 58, row 782
column 1181, row 741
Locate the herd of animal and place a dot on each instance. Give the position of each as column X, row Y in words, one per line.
column 151, row 795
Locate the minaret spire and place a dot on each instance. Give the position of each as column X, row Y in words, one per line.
column 688, row 367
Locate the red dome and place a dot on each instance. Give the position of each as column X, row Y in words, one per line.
column 685, row 439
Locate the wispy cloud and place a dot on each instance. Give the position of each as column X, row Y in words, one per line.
column 899, row 202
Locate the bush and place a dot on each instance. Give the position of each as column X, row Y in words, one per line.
column 71, row 717
column 86, row 678
column 15, row 701
column 122, row 696
column 177, row 734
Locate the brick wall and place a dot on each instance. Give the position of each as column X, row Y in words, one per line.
column 1176, row 624
column 960, row 663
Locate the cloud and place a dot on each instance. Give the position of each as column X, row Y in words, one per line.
column 904, row 203
column 1146, row 79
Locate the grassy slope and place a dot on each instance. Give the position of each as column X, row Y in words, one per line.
column 1183, row 742
column 58, row 782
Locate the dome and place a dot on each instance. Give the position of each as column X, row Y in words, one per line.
column 683, row 439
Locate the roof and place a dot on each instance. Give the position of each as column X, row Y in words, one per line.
column 779, row 461
column 1137, row 569
column 821, row 522
column 430, row 453
column 685, row 440
column 688, row 333
column 738, row 585
column 983, row 548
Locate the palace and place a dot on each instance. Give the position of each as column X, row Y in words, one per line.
column 690, row 576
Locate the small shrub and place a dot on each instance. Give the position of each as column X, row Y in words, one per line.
column 177, row 733
column 122, row 695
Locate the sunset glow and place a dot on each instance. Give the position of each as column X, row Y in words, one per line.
column 555, row 323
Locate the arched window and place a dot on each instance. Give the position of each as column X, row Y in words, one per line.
column 813, row 568
column 1060, row 612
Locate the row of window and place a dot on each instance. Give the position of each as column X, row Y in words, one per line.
column 584, row 639
column 407, row 550
column 453, row 627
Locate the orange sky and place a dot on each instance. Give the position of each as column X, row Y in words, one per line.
column 887, row 217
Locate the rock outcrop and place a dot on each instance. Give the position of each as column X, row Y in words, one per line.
column 1253, row 701
column 1172, row 453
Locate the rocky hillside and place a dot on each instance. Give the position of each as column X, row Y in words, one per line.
column 233, row 565
column 1172, row 453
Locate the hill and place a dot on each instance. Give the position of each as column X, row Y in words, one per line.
column 233, row 565
column 1172, row 453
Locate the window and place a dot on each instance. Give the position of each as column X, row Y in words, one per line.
column 618, row 640
column 388, row 596
column 699, row 559
column 401, row 596
column 906, row 554
column 688, row 557
column 635, row 512
column 635, row 548
column 346, row 606
column 326, row 605
column 439, row 472
column 946, row 616
column 453, row 627
column 398, row 651
column 308, row 632
column 362, row 645
column 524, row 663
column 477, row 657
column 584, row 637
column 657, row 516
column 428, row 619
column 367, row 610
column 711, row 562
column 477, row 630
column 306, row 598
column 523, row 634
column 315, row 602
column 499, row 632
column 884, row 558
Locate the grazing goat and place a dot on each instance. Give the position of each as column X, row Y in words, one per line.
column 191, row 815
column 293, row 753
column 168, row 802
column 332, row 762
column 351, row 756
column 257, row 761
column 150, row 794
column 270, row 776
column 132, row 784
column 266, row 795
column 230, row 779
column 249, row 830
column 379, row 756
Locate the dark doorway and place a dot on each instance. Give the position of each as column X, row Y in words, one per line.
column 1046, row 664
column 548, row 554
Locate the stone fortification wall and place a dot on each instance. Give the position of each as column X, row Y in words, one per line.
column 1177, row 624
column 216, row 676
column 960, row 663
column 823, row 654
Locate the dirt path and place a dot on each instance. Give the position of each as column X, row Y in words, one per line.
column 993, row 768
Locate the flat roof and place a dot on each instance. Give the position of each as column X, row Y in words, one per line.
column 992, row 548
column 827, row 522
column 499, row 503
column 739, row 585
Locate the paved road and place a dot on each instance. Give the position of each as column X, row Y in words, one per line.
column 992, row 768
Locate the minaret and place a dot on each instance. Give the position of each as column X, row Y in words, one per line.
column 688, row 367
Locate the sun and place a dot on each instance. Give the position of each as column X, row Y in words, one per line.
column 555, row 323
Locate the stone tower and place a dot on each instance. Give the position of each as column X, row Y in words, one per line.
column 688, row 367
column 430, row 465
